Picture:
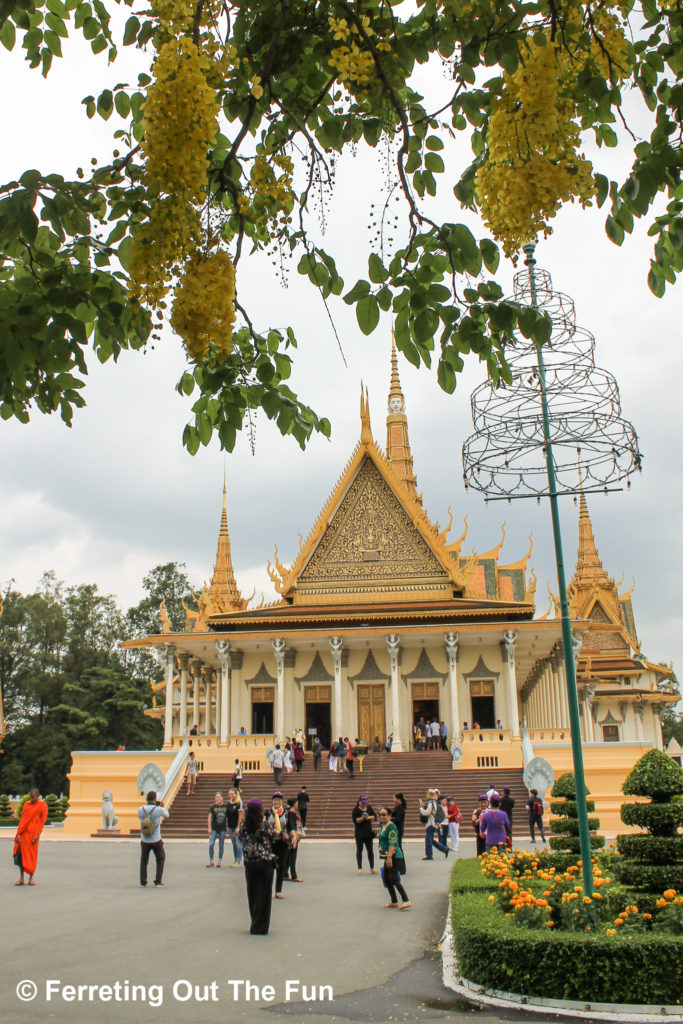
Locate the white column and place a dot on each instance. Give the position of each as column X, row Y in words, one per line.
column 279, row 650
column 638, row 716
column 223, row 651
column 169, row 669
column 336, row 646
column 508, row 648
column 564, row 700
column 451, row 640
column 393, row 648
column 207, row 700
column 196, row 667
column 184, row 660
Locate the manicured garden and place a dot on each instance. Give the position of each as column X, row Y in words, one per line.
column 523, row 924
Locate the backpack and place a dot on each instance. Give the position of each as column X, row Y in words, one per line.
column 147, row 825
column 537, row 808
column 439, row 816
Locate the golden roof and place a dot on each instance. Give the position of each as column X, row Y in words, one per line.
column 222, row 595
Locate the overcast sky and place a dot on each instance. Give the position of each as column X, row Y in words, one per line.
column 117, row 494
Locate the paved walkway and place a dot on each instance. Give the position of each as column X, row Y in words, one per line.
column 87, row 922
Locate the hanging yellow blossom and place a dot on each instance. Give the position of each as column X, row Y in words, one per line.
column 204, row 305
column 533, row 164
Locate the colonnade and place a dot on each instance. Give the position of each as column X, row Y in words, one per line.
column 209, row 711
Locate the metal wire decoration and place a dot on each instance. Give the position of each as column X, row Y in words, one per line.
column 505, row 456
column 559, row 420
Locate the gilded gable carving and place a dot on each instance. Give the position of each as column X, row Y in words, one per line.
column 371, row 537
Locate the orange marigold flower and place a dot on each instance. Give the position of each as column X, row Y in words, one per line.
column 669, row 894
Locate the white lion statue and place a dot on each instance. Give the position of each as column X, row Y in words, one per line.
column 109, row 819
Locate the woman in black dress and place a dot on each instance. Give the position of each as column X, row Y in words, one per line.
column 259, row 865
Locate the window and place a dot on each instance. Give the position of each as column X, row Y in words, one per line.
column 610, row 733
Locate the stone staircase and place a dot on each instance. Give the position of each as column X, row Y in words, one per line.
column 334, row 796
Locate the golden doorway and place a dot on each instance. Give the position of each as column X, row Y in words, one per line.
column 371, row 713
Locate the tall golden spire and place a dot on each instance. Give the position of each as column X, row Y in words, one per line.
column 223, row 595
column 398, row 444
column 589, row 571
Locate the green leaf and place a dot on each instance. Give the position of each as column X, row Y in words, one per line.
column 359, row 291
column 131, row 30
column 434, row 143
column 615, row 232
column 98, row 44
column 446, row 378
column 378, row 273
column 434, row 163
column 655, row 283
column 53, row 43
column 28, row 223
column 8, row 38
column 122, row 104
column 367, row 314
column 490, row 254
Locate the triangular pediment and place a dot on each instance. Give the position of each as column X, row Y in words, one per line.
column 371, row 542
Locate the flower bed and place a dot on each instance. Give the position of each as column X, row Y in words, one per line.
column 537, row 934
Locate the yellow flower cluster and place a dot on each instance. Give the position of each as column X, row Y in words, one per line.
column 179, row 121
column 170, row 235
column 610, row 50
column 352, row 64
column 533, row 165
column 272, row 193
column 204, row 305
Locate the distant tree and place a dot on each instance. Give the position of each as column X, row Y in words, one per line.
column 104, row 709
column 171, row 584
column 95, row 625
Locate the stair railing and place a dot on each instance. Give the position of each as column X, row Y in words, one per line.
column 527, row 747
column 177, row 765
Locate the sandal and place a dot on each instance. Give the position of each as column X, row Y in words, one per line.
column 406, row 906
column 20, row 883
column 279, row 896
column 30, row 883
column 209, row 865
column 388, row 906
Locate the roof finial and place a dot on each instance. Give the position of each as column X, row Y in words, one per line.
column 365, row 428
column 222, row 593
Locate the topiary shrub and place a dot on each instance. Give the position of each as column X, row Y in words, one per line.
column 64, row 804
column 54, row 809
column 6, row 812
column 653, row 861
column 565, row 824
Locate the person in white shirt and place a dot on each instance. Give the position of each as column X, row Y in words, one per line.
column 277, row 763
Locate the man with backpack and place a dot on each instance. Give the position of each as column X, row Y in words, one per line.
column 431, row 815
column 151, row 815
column 534, row 805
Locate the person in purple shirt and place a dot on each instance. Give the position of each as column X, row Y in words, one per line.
column 494, row 825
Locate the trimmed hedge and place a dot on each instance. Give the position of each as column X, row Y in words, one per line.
column 565, row 826
column 652, row 878
column 659, row 819
column 655, row 775
column 651, row 849
column 570, row 826
column 497, row 953
column 467, row 877
column 654, row 862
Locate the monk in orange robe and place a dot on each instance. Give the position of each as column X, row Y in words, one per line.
column 28, row 833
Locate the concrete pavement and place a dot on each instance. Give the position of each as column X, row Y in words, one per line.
column 184, row 952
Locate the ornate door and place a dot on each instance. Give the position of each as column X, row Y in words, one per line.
column 371, row 712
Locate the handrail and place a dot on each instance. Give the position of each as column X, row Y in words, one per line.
column 176, row 766
column 527, row 747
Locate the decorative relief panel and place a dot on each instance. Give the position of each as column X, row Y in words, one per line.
column 371, row 536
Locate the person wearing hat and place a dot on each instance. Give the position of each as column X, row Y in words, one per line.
column 363, row 816
column 494, row 826
column 507, row 802
column 256, row 838
column 278, row 819
column 429, row 815
column 476, row 815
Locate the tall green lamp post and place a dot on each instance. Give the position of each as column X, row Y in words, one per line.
column 556, row 429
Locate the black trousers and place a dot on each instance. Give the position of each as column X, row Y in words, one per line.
column 281, row 852
column 367, row 843
column 349, row 766
column 303, row 814
column 536, row 821
column 391, row 880
column 160, row 855
column 259, row 878
column 290, row 868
